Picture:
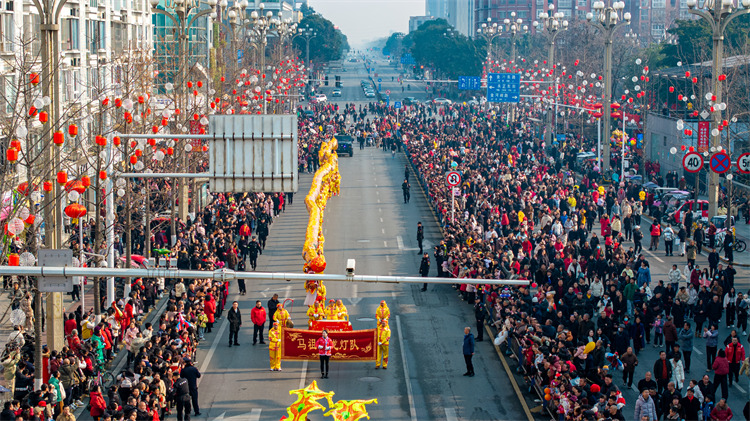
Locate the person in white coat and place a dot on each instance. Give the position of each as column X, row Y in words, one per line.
column 678, row 371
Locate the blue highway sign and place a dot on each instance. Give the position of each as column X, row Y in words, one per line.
column 503, row 87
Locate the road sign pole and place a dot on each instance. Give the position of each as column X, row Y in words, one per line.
column 453, row 203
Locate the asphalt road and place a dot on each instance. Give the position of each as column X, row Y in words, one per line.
column 370, row 223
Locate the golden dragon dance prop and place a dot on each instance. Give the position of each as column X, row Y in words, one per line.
column 325, row 183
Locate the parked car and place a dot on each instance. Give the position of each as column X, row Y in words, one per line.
column 370, row 94
column 700, row 210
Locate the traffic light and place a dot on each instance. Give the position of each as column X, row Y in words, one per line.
column 338, row 81
column 326, row 81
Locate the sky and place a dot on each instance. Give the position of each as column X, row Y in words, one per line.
column 366, row 20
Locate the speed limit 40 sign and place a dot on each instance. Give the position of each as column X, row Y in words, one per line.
column 743, row 163
column 692, row 162
column 453, row 178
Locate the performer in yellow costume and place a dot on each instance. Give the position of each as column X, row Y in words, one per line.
column 382, row 313
column 281, row 315
column 331, row 310
column 316, row 312
column 384, row 339
column 341, row 311
column 274, row 347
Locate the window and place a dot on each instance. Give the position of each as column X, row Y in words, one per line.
column 94, row 3
column 564, row 4
column 7, row 32
column 31, row 29
column 582, row 3
column 658, row 4
column 95, row 32
column 70, row 34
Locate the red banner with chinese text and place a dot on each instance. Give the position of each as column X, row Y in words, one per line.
column 703, row 128
column 356, row 345
column 330, row 325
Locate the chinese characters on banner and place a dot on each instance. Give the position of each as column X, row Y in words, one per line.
column 357, row 345
column 703, row 127
column 195, row 128
column 330, row 325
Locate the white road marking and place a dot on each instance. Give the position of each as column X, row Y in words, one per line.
column 450, row 414
column 654, row 256
column 219, row 335
column 385, row 244
column 303, row 375
column 387, row 258
column 376, row 185
column 380, row 209
column 378, row 200
column 400, row 242
column 697, row 351
column 381, row 220
column 382, row 230
column 253, row 415
column 377, row 192
column 393, row 294
column 739, row 387
column 409, row 391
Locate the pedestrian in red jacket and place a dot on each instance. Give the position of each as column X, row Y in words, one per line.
column 325, row 348
column 735, row 356
column 721, row 370
column 722, row 411
column 98, row 405
column 258, row 317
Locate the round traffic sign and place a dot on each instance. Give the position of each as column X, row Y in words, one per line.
column 692, row 162
column 453, row 178
column 720, row 162
column 743, row 163
column 387, row 91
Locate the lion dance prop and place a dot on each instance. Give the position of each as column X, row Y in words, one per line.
column 325, row 183
column 307, row 401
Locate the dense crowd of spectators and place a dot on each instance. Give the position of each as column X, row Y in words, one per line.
column 523, row 213
column 230, row 232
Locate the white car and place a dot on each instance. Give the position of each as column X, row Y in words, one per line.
column 442, row 101
column 336, row 92
column 369, row 94
column 319, row 98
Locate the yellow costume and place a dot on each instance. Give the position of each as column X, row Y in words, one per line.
column 382, row 313
column 384, row 339
column 331, row 310
column 274, row 347
column 341, row 311
column 315, row 312
column 281, row 315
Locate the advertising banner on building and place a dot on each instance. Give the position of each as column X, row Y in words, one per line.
column 357, row 345
column 703, row 129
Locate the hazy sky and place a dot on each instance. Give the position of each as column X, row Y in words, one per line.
column 366, row 20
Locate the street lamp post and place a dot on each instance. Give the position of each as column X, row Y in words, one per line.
column 718, row 13
column 489, row 31
column 607, row 19
column 185, row 15
column 262, row 24
column 551, row 25
column 514, row 27
column 307, row 33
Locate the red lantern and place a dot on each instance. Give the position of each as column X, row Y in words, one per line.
column 687, row 75
column 34, row 78
column 155, row 129
column 116, row 140
column 32, row 111
column 671, row 89
column 713, row 98
column 152, row 142
column 30, row 220
column 14, row 259
column 102, row 175
column 72, row 130
column 62, row 178
column 138, row 153
column 679, row 97
column 75, row 185
column 691, row 149
column 695, row 80
column 12, row 155
column 86, row 181
column 118, row 102
column 722, row 77
column 75, row 210
column 58, row 138
column 133, row 159
column 47, row 186
column 682, row 148
column 190, row 84
column 200, row 84
column 170, row 151
column 43, row 117
column 196, row 117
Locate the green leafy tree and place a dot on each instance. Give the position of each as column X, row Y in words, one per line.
column 329, row 44
column 450, row 53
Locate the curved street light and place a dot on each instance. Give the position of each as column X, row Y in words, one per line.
column 718, row 14
column 607, row 19
column 552, row 25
